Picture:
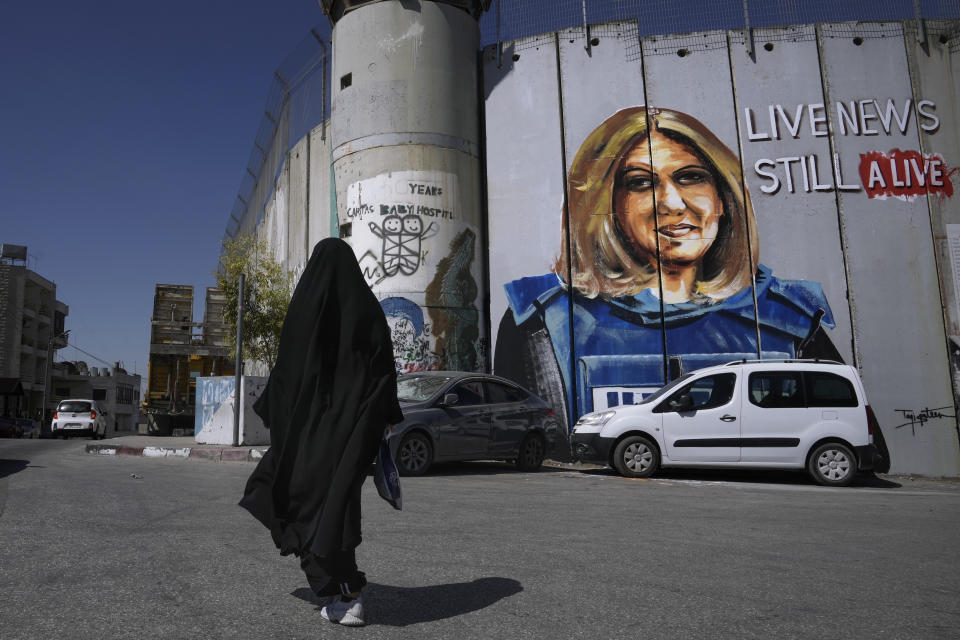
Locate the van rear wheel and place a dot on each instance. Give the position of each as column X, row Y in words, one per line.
column 832, row 464
column 636, row 457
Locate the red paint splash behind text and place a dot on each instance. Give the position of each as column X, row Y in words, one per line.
column 905, row 174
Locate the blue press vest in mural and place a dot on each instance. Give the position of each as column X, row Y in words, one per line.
column 619, row 344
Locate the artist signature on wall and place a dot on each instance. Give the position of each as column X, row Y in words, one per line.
column 919, row 418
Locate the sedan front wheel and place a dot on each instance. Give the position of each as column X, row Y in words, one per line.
column 414, row 455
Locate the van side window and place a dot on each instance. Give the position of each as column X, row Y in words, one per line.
column 776, row 389
column 829, row 390
column 707, row 392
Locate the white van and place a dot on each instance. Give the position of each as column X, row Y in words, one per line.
column 762, row 414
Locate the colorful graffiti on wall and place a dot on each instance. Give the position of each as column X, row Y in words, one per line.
column 411, row 335
column 662, row 264
column 419, row 256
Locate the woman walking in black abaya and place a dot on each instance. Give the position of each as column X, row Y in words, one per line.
column 327, row 401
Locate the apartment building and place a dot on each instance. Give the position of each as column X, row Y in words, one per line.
column 31, row 327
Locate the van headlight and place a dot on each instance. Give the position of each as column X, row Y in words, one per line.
column 591, row 421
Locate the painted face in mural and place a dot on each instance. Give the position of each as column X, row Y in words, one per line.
column 680, row 184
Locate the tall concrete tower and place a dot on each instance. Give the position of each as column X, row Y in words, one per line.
column 405, row 140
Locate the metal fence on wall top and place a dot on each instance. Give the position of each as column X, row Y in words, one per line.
column 297, row 101
column 299, row 96
column 512, row 19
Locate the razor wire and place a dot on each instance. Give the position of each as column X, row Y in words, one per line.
column 298, row 99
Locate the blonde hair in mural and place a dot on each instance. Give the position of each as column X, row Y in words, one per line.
column 602, row 261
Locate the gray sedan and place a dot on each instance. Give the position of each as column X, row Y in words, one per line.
column 455, row 415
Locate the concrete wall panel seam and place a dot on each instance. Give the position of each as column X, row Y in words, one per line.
column 571, row 364
column 841, row 227
column 743, row 181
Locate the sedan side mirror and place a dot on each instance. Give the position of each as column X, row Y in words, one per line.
column 683, row 403
column 449, row 400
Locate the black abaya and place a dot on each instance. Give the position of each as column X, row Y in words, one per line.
column 326, row 403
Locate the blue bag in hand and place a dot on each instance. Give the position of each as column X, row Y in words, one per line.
column 386, row 476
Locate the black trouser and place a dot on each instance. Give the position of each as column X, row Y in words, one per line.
column 334, row 574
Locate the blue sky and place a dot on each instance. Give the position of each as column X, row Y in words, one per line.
column 126, row 126
column 126, row 129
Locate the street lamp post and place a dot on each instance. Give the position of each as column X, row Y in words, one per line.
column 46, row 376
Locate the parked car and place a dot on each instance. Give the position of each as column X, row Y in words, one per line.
column 28, row 428
column 79, row 417
column 454, row 416
column 9, row 428
column 770, row 414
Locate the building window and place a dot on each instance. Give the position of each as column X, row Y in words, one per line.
column 99, row 394
column 61, row 392
column 124, row 394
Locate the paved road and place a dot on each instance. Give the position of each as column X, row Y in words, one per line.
column 130, row 547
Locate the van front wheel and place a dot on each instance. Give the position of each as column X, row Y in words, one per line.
column 636, row 457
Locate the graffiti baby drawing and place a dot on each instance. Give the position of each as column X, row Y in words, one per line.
column 661, row 267
column 402, row 238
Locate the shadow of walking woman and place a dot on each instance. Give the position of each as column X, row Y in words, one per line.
column 404, row 606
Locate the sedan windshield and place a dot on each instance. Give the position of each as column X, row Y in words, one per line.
column 416, row 387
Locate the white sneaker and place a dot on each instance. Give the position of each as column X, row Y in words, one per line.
column 349, row 613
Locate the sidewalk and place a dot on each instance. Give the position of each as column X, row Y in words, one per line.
column 187, row 447
column 175, row 447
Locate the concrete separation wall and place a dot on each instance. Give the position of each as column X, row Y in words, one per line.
column 823, row 161
column 796, row 200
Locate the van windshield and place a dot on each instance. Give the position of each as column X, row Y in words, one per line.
column 664, row 390
column 74, row 406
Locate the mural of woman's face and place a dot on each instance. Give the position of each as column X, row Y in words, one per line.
column 687, row 199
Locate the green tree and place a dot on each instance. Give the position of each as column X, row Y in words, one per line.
column 269, row 287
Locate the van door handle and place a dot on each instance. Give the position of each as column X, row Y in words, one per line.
column 728, row 418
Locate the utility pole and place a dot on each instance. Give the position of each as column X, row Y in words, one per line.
column 46, row 376
column 238, row 369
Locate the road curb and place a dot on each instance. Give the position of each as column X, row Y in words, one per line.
column 229, row 454
column 247, row 453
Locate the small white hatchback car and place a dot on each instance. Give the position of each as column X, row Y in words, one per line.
column 79, row 417
column 762, row 414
